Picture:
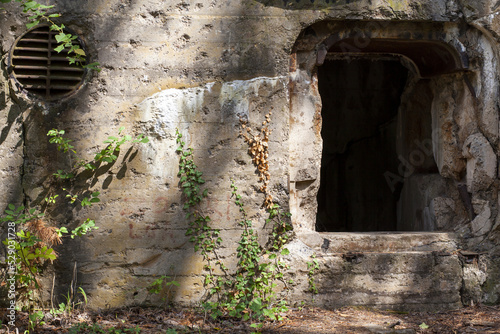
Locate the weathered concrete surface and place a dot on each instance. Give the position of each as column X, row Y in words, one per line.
column 400, row 280
column 481, row 163
column 200, row 66
column 380, row 242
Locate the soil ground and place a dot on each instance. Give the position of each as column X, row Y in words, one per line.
column 476, row 319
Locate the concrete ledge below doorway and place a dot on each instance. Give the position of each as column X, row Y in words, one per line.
column 379, row 242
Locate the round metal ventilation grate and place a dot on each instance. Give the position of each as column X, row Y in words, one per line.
column 41, row 70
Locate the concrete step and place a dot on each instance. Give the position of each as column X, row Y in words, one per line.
column 400, row 280
column 399, row 271
column 344, row 242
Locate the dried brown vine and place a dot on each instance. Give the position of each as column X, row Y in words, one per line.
column 259, row 151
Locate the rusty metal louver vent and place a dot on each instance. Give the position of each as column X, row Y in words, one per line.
column 41, row 70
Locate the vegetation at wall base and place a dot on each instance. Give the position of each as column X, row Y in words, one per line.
column 32, row 235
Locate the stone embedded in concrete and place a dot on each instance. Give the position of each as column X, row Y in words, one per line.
column 491, row 286
column 442, row 212
column 481, row 163
column 483, row 223
column 477, row 9
column 473, row 278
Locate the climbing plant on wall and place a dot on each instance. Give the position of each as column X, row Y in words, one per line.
column 39, row 14
column 32, row 233
column 250, row 291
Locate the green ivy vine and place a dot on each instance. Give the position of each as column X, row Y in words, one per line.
column 31, row 233
column 250, row 291
column 40, row 14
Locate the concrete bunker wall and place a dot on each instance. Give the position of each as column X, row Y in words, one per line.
column 200, row 67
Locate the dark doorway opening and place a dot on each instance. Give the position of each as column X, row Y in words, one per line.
column 360, row 102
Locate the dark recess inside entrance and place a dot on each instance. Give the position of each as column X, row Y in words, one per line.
column 360, row 99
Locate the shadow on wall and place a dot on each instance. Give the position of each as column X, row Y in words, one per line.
column 307, row 4
column 11, row 143
column 399, row 281
column 140, row 238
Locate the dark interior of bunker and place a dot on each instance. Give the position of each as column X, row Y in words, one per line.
column 367, row 133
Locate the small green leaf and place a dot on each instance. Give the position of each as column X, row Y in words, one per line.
column 59, row 48
column 285, row 251
column 93, row 66
column 45, row 6
column 61, row 37
column 80, row 52
column 31, row 4
column 32, row 24
column 423, row 325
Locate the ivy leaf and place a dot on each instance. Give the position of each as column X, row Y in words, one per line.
column 62, row 37
column 59, row 48
column 80, row 52
column 31, row 4
column 256, row 305
column 32, row 24
column 285, row 251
